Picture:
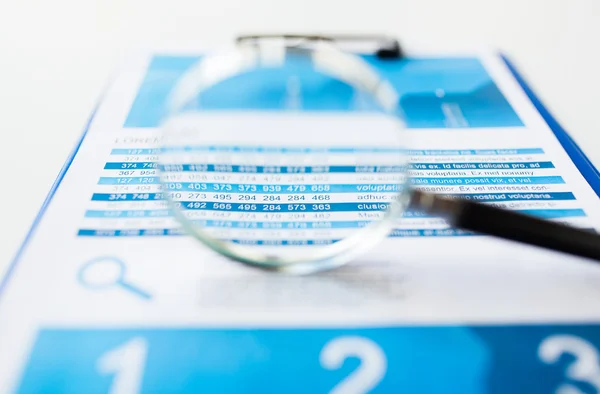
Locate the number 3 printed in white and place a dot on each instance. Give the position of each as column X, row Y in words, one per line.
column 586, row 367
column 373, row 363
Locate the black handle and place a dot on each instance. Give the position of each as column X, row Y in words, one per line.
column 510, row 225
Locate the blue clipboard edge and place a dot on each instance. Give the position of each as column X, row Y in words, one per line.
column 48, row 200
column 581, row 161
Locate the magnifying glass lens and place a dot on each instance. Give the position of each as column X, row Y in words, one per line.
column 282, row 164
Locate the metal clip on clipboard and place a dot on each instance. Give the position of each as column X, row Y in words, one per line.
column 384, row 47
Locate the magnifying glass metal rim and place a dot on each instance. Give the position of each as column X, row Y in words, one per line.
column 329, row 60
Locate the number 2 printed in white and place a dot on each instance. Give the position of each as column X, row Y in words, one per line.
column 585, row 368
column 371, row 370
column 126, row 363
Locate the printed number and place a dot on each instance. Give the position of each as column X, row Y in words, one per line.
column 296, row 188
column 372, row 369
column 247, row 188
column 196, row 196
column 194, row 186
column 585, row 368
column 271, row 188
column 271, row 198
column 127, row 364
column 221, row 187
column 271, row 207
column 296, row 207
column 320, row 188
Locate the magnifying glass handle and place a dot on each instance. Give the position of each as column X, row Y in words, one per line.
column 510, row 225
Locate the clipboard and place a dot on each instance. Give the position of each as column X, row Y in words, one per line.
column 384, row 47
column 476, row 354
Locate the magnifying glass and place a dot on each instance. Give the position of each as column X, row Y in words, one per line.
column 291, row 155
column 105, row 272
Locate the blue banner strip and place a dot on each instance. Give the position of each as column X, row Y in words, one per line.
column 202, row 167
column 536, row 180
column 276, row 199
column 409, row 358
column 264, row 149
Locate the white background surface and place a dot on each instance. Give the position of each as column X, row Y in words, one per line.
column 56, row 57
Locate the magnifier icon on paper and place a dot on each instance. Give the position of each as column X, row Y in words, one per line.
column 106, row 272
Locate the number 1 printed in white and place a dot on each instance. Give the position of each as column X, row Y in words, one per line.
column 126, row 363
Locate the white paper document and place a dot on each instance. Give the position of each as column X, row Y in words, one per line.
column 109, row 294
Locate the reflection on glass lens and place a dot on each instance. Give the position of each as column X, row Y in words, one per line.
column 283, row 164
